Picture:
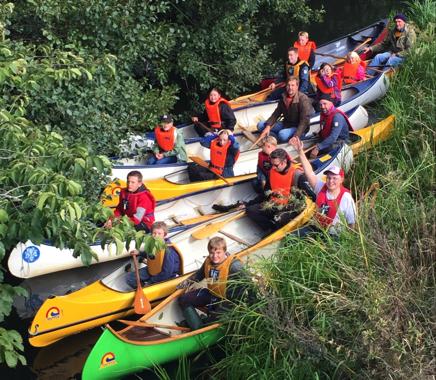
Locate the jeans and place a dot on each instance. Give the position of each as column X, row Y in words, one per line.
column 143, row 275
column 384, row 59
column 152, row 160
column 282, row 134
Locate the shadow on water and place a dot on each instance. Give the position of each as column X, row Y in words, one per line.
column 65, row 359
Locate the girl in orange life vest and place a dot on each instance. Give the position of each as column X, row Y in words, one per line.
column 217, row 115
column 169, row 146
column 218, row 267
column 224, row 151
column 353, row 70
column 328, row 82
column 161, row 267
column 306, row 48
column 278, row 205
column 333, row 200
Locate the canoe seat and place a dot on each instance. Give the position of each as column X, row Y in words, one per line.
column 143, row 335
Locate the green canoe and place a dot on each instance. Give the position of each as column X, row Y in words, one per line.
column 153, row 340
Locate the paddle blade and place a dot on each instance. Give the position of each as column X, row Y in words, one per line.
column 141, row 305
column 213, row 228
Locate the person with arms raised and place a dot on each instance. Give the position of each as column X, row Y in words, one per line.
column 333, row 200
column 169, row 146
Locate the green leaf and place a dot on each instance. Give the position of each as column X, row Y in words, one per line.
column 3, row 216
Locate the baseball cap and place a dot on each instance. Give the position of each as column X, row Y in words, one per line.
column 335, row 170
column 166, row 118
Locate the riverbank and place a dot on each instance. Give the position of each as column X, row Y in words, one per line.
column 362, row 306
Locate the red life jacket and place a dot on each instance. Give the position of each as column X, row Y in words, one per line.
column 264, row 163
column 281, row 185
column 296, row 68
column 350, row 71
column 213, row 112
column 326, row 122
column 165, row 139
column 304, row 51
column 218, row 156
column 328, row 90
column 327, row 209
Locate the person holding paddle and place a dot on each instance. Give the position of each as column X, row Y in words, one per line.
column 333, row 200
column 217, row 114
column 394, row 48
column 217, row 269
column 224, row 151
column 169, row 146
column 162, row 266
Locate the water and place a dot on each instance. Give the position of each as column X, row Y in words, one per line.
column 65, row 359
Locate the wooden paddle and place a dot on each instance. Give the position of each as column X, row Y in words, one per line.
column 141, row 323
column 343, row 58
column 202, row 218
column 204, row 126
column 257, row 141
column 141, row 304
column 204, row 164
column 212, row 228
column 248, row 135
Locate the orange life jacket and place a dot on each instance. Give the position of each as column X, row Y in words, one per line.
column 350, row 71
column 327, row 90
column 304, row 51
column 281, row 185
column 165, row 139
column 154, row 265
column 327, row 209
column 218, row 156
column 296, row 69
column 213, row 112
column 217, row 275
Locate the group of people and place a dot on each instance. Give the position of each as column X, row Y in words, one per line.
column 278, row 176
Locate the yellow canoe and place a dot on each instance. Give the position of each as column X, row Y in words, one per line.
column 110, row 299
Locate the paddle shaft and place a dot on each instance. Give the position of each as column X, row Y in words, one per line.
column 213, row 228
column 140, row 323
column 141, row 304
column 343, row 58
column 248, row 135
column 204, row 126
column 204, row 164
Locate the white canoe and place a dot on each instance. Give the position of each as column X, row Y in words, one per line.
column 358, row 118
column 30, row 260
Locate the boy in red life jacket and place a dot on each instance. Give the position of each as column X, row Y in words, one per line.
column 328, row 82
column 335, row 127
column 169, row 146
column 217, row 114
column 333, row 200
column 160, row 267
column 217, row 269
column 136, row 202
column 224, row 151
column 353, row 70
column 279, row 204
column 269, row 144
column 306, row 48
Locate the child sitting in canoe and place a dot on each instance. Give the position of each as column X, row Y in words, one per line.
column 328, row 82
column 169, row 146
column 353, row 70
column 269, row 144
column 217, row 269
column 161, row 267
column 306, row 48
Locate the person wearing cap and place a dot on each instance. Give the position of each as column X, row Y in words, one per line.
column 333, row 200
column 279, row 204
column 224, row 151
column 217, row 114
column 295, row 107
column 296, row 67
column 328, row 82
column 394, row 48
column 169, row 146
column 335, row 127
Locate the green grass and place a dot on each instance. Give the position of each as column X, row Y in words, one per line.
column 363, row 306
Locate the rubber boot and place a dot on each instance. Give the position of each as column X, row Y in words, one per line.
column 192, row 318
